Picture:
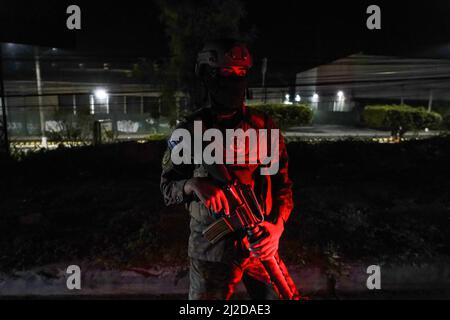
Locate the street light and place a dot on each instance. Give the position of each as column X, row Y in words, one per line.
column 339, row 105
column 101, row 94
column 315, row 98
column 287, row 99
column 298, row 98
column 103, row 97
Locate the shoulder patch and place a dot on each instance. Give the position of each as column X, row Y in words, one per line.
column 171, row 143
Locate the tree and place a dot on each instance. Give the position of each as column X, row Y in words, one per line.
column 188, row 25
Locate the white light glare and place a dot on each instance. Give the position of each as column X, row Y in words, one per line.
column 298, row 98
column 340, row 94
column 286, row 101
column 101, row 94
column 315, row 97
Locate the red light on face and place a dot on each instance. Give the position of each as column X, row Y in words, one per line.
column 233, row 71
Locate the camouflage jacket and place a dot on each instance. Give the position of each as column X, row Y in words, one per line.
column 274, row 192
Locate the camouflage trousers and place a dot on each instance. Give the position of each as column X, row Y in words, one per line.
column 218, row 281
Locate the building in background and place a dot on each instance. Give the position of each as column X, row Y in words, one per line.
column 338, row 91
column 44, row 86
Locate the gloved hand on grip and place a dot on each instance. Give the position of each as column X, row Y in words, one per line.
column 209, row 193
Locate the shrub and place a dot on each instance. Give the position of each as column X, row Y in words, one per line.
column 71, row 129
column 446, row 122
column 287, row 115
column 400, row 118
column 444, row 111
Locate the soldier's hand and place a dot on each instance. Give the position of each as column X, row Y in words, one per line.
column 209, row 193
column 267, row 247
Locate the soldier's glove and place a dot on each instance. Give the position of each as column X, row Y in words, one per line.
column 267, row 247
column 209, row 193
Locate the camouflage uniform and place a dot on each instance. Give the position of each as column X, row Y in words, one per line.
column 216, row 269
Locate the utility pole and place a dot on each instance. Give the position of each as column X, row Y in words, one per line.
column 402, row 100
column 4, row 142
column 263, row 71
column 37, row 66
column 430, row 101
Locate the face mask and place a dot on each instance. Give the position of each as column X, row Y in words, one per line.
column 227, row 93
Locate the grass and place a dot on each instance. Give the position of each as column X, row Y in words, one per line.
column 353, row 200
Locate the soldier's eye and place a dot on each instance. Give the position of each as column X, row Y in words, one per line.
column 241, row 71
column 226, row 71
column 237, row 71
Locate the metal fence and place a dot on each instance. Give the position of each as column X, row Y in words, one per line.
column 70, row 118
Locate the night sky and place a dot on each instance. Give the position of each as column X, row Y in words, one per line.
column 299, row 33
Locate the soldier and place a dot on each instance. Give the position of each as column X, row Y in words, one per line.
column 215, row 270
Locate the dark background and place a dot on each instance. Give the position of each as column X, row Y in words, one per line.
column 354, row 200
column 291, row 33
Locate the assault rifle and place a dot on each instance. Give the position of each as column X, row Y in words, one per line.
column 246, row 214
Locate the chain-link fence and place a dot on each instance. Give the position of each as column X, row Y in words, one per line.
column 70, row 118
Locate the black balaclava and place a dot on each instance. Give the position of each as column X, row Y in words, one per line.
column 227, row 93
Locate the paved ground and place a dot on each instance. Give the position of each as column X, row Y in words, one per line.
column 429, row 281
column 317, row 130
column 344, row 131
column 382, row 295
